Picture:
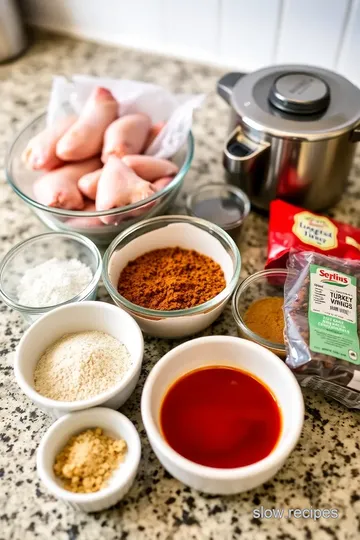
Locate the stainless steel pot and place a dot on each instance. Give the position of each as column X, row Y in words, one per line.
column 292, row 134
column 13, row 39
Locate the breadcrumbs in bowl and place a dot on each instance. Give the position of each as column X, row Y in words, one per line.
column 112, row 424
column 72, row 383
column 88, row 460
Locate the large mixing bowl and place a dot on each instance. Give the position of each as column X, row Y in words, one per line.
column 22, row 179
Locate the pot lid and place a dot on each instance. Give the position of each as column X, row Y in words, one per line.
column 297, row 101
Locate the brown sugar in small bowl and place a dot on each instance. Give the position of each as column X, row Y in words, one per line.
column 266, row 283
column 173, row 231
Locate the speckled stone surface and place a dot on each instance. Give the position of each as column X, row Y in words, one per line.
column 324, row 469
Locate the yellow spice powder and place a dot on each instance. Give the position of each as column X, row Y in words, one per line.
column 265, row 318
column 87, row 461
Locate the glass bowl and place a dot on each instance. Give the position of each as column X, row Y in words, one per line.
column 37, row 250
column 21, row 180
column 227, row 206
column 185, row 232
column 259, row 285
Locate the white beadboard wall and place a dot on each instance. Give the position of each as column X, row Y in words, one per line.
column 238, row 34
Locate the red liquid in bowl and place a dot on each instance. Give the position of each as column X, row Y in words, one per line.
column 220, row 417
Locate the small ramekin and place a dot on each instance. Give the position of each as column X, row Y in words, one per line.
column 220, row 191
column 79, row 318
column 258, row 285
column 172, row 231
column 223, row 351
column 39, row 249
column 114, row 424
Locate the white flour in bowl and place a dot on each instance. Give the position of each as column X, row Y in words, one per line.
column 53, row 282
column 80, row 366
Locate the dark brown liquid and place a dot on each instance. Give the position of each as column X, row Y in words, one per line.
column 223, row 212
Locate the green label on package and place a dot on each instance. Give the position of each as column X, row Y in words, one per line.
column 333, row 314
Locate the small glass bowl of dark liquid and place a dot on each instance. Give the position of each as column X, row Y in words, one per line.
column 222, row 204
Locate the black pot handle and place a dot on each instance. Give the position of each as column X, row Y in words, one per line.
column 355, row 135
column 241, row 154
column 226, row 84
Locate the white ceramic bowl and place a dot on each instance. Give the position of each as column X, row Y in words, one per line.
column 79, row 318
column 229, row 351
column 114, row 424
column 172, row 231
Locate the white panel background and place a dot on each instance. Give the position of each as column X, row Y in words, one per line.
column 248, row 32
column 191, row 27
column 240, row 34
column 126, row 22
column 349, row 58
column 310, row 31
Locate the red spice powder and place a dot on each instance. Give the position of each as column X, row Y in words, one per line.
column 170, row 279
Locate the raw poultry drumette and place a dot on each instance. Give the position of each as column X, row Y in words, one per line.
column 59, row 188
column 159, row 184
column 88, row 184
column 84, row 139
column 151, row 168
column 127, row 135
column 153, row 133
column 40, row 153
column 148, row 168
column 119, row 186
column 86, row 222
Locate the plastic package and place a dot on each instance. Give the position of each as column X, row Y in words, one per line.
column 291, row 227
column 321, row 309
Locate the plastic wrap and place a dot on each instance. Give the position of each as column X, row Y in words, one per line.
column 321, row 308
column 133, row 96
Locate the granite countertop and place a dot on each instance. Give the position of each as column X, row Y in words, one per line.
column 322, row 472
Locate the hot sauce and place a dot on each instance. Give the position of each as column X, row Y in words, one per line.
column 220, row 417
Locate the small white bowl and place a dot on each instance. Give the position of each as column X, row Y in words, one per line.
column 114, row 424
column 173, row 231
column 79, row 318
column 227, row 351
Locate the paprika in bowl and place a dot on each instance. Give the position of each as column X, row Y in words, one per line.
column 173, row 274
column 257, row 308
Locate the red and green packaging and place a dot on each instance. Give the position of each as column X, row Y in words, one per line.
column 322, row 332
column 294, row 228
